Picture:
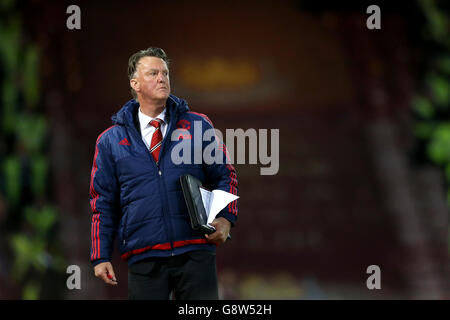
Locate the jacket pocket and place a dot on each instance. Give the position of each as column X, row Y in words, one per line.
column 202, row 255
column 144, row 267
column 124, row 228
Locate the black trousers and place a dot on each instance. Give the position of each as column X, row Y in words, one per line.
column 189, row 276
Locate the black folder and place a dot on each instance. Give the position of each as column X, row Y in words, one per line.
column 197, row 213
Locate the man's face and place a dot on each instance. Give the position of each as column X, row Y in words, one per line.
column 151, row 81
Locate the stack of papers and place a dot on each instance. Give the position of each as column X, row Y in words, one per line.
column 214, row 201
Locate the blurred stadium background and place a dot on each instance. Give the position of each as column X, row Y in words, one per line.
column 364, row 139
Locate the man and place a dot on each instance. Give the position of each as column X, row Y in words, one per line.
column 136, row 196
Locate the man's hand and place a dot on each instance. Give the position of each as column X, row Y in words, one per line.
column 223, row 227
column 105, row 272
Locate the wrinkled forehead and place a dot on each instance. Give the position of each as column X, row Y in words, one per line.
column 148, row 63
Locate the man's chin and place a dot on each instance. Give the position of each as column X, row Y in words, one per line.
column 160, row 96
column 163, row 94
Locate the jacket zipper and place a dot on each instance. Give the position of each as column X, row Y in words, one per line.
column 163, row 184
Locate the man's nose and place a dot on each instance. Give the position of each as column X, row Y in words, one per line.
column 161, row 77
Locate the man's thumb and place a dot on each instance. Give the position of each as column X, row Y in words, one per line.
column 110, row 272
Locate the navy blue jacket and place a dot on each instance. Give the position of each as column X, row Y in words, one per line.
column 142, row 204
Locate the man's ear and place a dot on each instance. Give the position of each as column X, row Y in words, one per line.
column 134, row 84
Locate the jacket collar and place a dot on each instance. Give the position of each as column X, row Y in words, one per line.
column 127, row 114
